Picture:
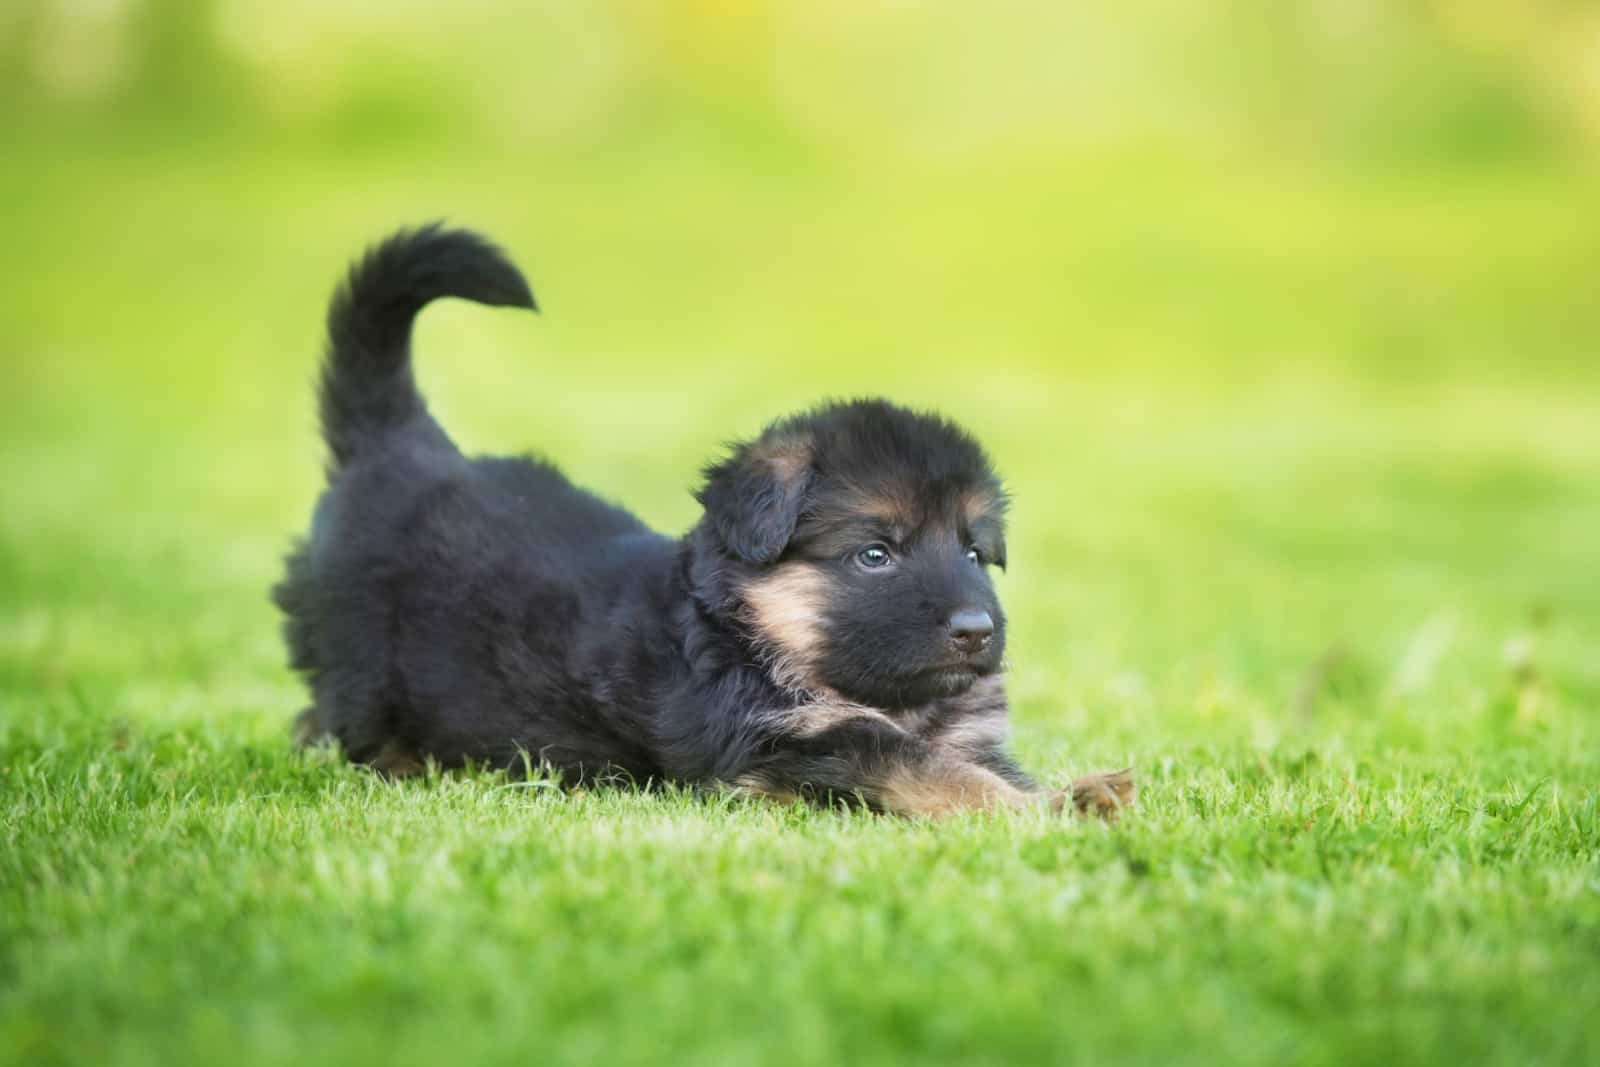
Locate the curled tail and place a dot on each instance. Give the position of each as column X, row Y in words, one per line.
column 367, row 386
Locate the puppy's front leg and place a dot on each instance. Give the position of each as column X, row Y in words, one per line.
column 850, row 752
column 1104, row 794
column 938, row 786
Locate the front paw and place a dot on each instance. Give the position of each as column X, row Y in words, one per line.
column 1103, row 795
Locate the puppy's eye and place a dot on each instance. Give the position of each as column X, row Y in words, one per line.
column 974, row 557
column 874, row 556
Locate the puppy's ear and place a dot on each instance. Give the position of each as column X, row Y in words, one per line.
column 753, row 498
column 984, row 511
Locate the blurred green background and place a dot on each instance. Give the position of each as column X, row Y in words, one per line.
column 1281, row 319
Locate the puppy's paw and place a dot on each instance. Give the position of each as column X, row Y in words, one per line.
column 1103, row 795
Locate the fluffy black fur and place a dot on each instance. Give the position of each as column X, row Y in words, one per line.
column 486, row 610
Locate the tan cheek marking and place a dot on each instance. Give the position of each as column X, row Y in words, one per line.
column 785, row 609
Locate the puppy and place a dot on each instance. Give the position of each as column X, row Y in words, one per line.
column 828, row 629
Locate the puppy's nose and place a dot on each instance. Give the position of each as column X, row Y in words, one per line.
column 970, row 630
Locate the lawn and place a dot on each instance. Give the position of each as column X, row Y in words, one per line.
column 1307, row 468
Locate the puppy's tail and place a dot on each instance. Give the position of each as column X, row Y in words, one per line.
column 367, row 387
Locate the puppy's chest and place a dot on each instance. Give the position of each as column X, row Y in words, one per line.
column 926, row 723
column 976, row 720
column 972, row 723
column 967, row 728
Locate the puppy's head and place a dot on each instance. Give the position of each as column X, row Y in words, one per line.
column 859, row 538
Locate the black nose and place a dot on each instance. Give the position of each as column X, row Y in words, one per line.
column 970, row 630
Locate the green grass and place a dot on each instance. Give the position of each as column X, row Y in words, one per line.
column 1308, row 533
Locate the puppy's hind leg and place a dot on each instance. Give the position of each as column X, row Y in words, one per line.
column 307, row 730
column 395, row 760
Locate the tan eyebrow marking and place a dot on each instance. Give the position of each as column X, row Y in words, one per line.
column 980, row 504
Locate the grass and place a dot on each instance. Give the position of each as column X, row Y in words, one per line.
column 1306, row 469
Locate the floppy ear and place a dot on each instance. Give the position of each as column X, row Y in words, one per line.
column 985, row 510
column 990, row 538
column 753, row 498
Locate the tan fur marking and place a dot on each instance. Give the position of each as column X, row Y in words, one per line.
column 890, row 508
column 944, row 788
column 789, row 456
column 785, row 608
column 978, row 504
column 817, row 717
column 755, row 785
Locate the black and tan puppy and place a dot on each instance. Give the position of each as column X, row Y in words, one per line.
column 828, row 629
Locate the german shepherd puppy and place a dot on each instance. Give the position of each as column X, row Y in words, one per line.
column 828, row 629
